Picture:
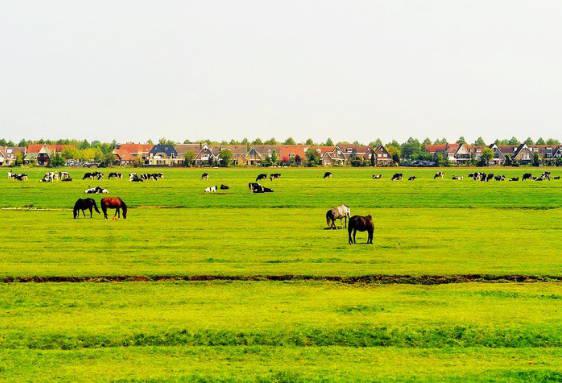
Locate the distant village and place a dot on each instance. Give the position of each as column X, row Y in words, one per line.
column 165, row 153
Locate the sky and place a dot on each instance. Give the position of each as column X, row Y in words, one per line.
column 131, row 70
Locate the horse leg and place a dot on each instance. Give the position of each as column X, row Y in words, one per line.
column 370, row 238
column 354, row 234
column 104, row 209
column 91, row 213
column 349, row 236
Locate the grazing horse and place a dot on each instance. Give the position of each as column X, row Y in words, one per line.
column 262, row 176
column 83, row 204
column 338, row 212
column 114, row 203
column 328, row 175
column 361, row 223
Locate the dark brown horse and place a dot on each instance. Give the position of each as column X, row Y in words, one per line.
column 114, row 203
column 361, row 223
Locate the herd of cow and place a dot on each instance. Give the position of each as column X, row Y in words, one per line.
column 478, row 176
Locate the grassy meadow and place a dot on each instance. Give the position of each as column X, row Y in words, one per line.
column 316, row 330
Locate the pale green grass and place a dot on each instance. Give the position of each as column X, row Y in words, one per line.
column 282, row 241
column 66, row 315
column 297, row 188
column 283, row 364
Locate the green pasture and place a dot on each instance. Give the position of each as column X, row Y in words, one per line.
column 298, row 188
column 294, row 331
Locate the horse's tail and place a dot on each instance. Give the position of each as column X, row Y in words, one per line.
column 329, row 217
column 124, row 208
column 96, row 206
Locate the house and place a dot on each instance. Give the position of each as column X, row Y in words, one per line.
column 446, row 151
column 521, row 153
column 382, row 156
column 183, row 149
column 546, row 152
column 207, row 155
column 499, row 156
column 164, row 155
column 259, row 153
column 41, row 154
column 330, row 155
column 353, row 152
column 130, row 154
column 239, row 153
column 292, row 154
column 8, row 155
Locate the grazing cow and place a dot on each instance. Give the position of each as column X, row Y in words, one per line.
column 514, row 179
column 556, row 177
column 527, row 176
column 211, row 189
column 458, row 178
column 96, row 190
column 93, row 175
column 376, row 176
column 114, row 175
column 224, row 187
column 133, row 177
column 274, row 176
column 490, row 177
column 261, row 176
column 546, row 175
column 20, row 177
column 360, row 223
column 439, row 175
column 412, row 178
column 328, row 175
column 338, row 212
column 499, row 178
column 205, row 176
column 397, row 177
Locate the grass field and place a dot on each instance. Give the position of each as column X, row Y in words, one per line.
column 267, row 330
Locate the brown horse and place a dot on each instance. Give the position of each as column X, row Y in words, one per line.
column 114, row 203
column 361, row 223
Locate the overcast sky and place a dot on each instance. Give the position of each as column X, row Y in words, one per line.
column 133, row 70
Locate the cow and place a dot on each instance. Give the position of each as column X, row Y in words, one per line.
column 439, row 175
column 211, row 189
column 457, row 178
column 397, row 177
column 526, row 176
column 261, row 176
column 114, row 175
column 96, row 190
column 274, row 176
column 328, row 175
column 205, row 176
column 376, row 176
column 224, row 187
column 412, row 178
column 514, row 179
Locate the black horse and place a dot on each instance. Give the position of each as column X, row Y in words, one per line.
column 83, row 204
column 361, row 223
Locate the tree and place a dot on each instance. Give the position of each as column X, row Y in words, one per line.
column 486, row 157
column 375, row 143
column 56, row 161
column 19, row 158
column 245, row 141
column 461, row 140
column 480, row 142
column 552, row 141
column 529, row 141
column 426, row 142
column 312, row 157
column 373, row 159
column 309, row 142
column 540, row 141
column 225, row 157
column 257, row 141
column 274, row 157
column 329, row 142
column 536, row 159
column 188, row 158
column 411, row 148
column 440, row 141
column 165, row 141
column 271, row 141
column 513, row 141
column 290, row 141
column 84, row 145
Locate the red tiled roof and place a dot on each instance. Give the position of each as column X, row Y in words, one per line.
column 128, row 152
column 36, row 148
column 435, row 148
